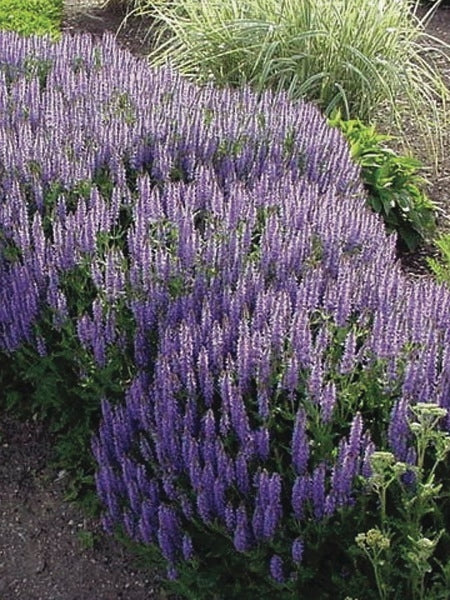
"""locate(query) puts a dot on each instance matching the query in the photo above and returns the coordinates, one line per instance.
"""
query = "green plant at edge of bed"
(29, 17)
(441, 266)
(394, 186)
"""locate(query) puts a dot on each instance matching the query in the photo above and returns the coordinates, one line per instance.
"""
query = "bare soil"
(49, 550)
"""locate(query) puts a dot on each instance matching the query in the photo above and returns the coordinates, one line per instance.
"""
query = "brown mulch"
(48, 549)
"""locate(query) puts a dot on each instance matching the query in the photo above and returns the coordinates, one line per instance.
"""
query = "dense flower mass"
(263, 294)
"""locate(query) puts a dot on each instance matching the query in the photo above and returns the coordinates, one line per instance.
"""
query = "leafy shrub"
(441, 266)
(210, 257)
(31, 16)
(358, 56)
(392, 182)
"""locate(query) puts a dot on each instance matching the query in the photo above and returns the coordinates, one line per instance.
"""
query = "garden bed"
(48, 549)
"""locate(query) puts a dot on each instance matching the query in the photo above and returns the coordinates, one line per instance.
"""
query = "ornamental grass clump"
(203, 265)
(369, 59)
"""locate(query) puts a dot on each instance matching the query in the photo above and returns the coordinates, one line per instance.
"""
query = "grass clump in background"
(31, 16)
(363, 57)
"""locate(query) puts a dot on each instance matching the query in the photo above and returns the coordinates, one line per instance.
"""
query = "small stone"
(40, 567)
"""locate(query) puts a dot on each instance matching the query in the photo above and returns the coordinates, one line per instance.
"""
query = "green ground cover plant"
(31, 16)
(362, 57)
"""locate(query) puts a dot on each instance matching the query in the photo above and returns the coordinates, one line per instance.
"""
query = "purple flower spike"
(242, 537)
(300, 494)
(300, 443)
(297, 550)
(399, 431)
(277, 568)
(188, 549)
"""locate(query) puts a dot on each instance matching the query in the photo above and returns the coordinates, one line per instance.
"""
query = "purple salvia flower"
(245, 356)
(327, 402)
(219, 497)
(276, 568)
(300, 443)
(297, 550)
(41, 346)
(172, 572)
(258, 521)
(186, 506)
(242, 477)
(242, 537)
(225, 464)
(354, 439)
(291, 375)
(147, 525)
(409, 478)
(230, 517)
(348, 359)
(315, 382)
(347, 464)
(191, 458)
(169, 537)
(366, 467)
(187, 548)
(318, 491)
(262, 443)
(300, 494)
(273, 510)
(239, 417)
(209, 442)
(398, 431)
(129, 520)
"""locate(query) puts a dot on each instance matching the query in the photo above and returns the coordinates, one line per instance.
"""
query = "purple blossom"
(188, 549)
(301, 491)
(276, 568)
(398, 431)
(169, 536)
(242, 535)
(409, 478)
(297, 550)
(300, 443)
(242, 477)
(348, 359)
(318, 491)
(327, 402)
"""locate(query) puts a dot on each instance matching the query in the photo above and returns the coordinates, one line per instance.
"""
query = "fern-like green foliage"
(394, 186)
(441, 267)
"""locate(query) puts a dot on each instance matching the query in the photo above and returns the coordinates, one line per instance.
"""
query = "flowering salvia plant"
(214, 247)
